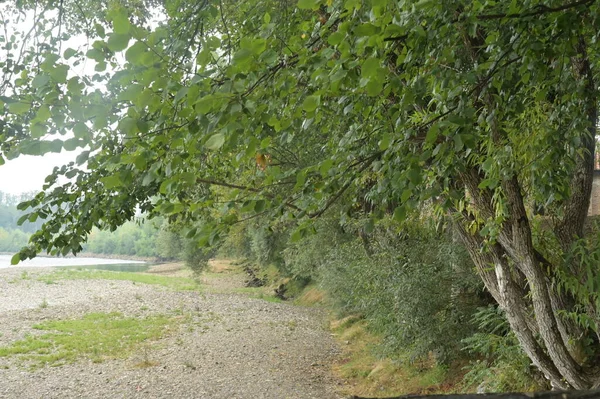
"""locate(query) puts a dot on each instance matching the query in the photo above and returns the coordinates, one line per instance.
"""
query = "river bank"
(214, 340)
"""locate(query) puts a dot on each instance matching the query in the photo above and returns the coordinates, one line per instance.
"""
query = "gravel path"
(227, 346)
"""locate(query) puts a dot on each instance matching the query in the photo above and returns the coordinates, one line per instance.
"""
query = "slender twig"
(226, 31)
(245, 188)
(60, 18)
(345, 187)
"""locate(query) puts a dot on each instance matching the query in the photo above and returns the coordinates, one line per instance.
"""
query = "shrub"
(416, 288)
(501, 366)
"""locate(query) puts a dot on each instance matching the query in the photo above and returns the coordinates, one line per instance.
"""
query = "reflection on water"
(96, 263)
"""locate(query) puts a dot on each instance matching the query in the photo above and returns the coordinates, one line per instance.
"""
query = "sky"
(27, 173)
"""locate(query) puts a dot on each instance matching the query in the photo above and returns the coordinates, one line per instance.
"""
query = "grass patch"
(173, 283)
(370, 376)
(310, 296)
(96, 336)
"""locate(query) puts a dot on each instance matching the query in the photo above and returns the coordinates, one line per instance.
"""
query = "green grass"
(369, 375)
(173, 283)
(96, 336)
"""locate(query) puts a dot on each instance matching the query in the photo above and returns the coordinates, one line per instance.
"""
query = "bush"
(413, 284)
(416, 289)
(502, 366)
(12, 240)
(197, 257)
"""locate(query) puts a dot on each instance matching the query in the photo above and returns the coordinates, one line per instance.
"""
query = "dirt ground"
(226, 345)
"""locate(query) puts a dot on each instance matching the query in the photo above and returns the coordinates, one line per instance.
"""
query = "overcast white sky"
(27, 173)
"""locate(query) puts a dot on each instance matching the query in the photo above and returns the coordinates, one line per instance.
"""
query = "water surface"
(76, 262)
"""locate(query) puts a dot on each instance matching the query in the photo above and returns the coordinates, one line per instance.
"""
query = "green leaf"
(366, 30)
(80, 130)
(16, 258)
(297, 235)
(117, 42)
(59, 73)
(204, 105)
(414, 175)
(400, 213)
(40, 80)
(325, 167)
(242, 56)
(385, 141)
(265, 143)
(215, 141)
(95, 55)
(82, 158)
(68, 53)
(46, 146)
(19, 108)
(143, 126)
(311, 103)
(259, 206)
(140, 162)
(22, 219)
(308, 4)
(374, 87)
(111, 182)
(370, 68)
(71, 144)
(335, 38)
(38, 130)
(135, 53)
(121, 24)
(100, 30)
(458, 142)
(432, 134)
(405, 195)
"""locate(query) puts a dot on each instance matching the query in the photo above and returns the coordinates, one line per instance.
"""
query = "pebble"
(232, 332)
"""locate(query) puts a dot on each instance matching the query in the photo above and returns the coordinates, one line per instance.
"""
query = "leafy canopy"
(228, 109)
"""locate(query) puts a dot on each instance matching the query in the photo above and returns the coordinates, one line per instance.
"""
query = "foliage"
(222, 111)
(414, 285)
(12, 240)
(139, 237)
(416, 290)
(197, 257)
(10, 215)
(502, 365)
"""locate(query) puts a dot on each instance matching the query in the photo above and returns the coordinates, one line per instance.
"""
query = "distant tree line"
(139, 238)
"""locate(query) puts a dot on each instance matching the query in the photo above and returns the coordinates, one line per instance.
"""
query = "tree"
(224, 110)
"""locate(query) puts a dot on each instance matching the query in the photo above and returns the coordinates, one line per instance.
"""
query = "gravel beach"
(227, 344)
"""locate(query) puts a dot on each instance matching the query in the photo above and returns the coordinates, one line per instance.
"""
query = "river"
(87, 262)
